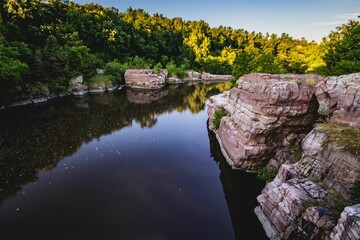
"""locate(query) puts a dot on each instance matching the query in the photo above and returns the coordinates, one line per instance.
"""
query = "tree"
(343, 56)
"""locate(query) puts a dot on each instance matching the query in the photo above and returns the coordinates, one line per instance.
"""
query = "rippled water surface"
(125, 165)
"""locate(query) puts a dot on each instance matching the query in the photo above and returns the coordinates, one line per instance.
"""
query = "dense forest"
(43, 44)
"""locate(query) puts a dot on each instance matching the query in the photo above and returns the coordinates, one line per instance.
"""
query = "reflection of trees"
(35, 138)
(241, 189)
(196, 100)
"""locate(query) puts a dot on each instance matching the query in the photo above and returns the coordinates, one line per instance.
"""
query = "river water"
(123, 165)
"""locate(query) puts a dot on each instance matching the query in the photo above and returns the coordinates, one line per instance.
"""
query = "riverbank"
(140, 79)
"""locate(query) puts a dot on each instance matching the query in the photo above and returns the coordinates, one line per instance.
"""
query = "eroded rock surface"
(330, 89)
(145, 78)
(208, 77)
(261, 112)
(325, 171)
(264, 120)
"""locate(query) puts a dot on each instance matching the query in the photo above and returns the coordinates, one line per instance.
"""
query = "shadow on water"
(241, 189)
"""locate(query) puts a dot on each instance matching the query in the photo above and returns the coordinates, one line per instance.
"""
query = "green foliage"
(214, 65)
(217, 117)
(243, 64)
(52, 41)
(175, 71)
(343, 55)
(12, 72)
(101, 80)
(265, 175)
(157, 68)
(116, 69)
(37, 89)
(139, 62)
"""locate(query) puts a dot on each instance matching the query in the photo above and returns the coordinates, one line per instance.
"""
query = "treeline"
(43, 44)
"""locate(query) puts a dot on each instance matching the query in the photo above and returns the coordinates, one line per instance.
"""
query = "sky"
(311, 19)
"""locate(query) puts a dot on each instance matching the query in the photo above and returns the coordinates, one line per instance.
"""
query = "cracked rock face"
(348, 226)
(145, 78)
(261, 112)
(340, 95)
(295, 201)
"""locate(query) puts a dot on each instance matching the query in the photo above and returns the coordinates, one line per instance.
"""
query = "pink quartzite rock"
(261, 112)
(348, 111)
(296, 201)
(145, 78)
(330, 89)
(208, 77)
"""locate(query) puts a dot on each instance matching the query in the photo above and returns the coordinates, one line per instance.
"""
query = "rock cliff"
(268, 116)
(145, 78)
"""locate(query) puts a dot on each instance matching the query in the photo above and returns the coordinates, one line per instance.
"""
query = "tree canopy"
(44, 43)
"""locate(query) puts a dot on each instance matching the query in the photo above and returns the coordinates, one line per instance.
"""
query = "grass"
(101, 81)
(217, 117)
(265, 175)
(344, 135)
(309, 81)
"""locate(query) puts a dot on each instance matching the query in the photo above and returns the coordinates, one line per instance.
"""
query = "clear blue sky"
(312, 19)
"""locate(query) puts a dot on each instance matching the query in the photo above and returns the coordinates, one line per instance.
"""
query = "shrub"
(217, 117)
(116, 69)
(265, 175)
(174, 71)
(157, 68)
(101, 80)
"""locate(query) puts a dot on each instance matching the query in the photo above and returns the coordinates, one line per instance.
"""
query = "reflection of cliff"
(35, 138)
(145, 96)
(239, 193)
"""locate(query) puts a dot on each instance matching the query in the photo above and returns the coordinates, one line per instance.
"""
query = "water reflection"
(143, 97)
(37, 138)
(117, 167)
(241, 189)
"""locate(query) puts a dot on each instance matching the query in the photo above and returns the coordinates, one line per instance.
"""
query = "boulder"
(76, 87)
(192, 75)
(215, 77)
(145, 78)
(330, 89)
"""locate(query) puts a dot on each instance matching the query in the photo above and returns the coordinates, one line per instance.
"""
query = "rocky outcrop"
(145, 78)
(325, 171)
(77, 86)
(211, 77)
(192, 75)
(262, 113)
(348, 225)
(264, 119)
(340, 96)
(330, 89)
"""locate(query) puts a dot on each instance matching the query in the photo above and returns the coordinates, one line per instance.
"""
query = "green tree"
(343, 56)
